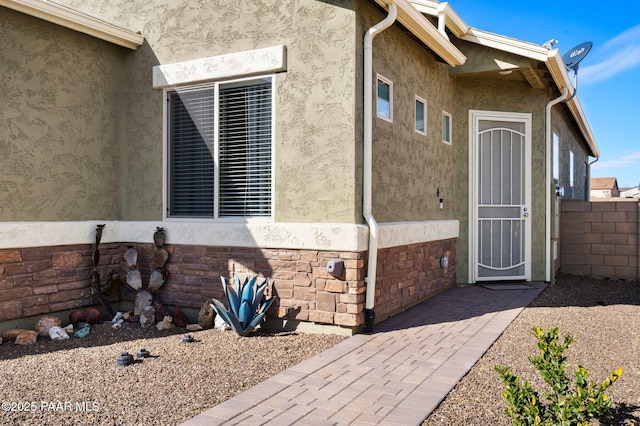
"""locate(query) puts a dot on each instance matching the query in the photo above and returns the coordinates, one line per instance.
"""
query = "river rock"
(206, 315)
(179, 318)
(148, 317)
(156, 279)
(58, 333)
(27, 337)
(143, 299)
(166, 323)
(134, 279)
(45, 323)
(11, 335)
(89, 315)
(194, 327)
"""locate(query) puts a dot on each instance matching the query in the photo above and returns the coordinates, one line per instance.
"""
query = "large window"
(220, 150)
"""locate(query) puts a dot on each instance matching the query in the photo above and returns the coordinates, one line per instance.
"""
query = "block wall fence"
(600, 238)
(38, 281)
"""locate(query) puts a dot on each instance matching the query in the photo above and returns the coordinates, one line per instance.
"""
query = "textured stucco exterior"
(61, 96)
(409, 168)
(507, 96)
(316, 123)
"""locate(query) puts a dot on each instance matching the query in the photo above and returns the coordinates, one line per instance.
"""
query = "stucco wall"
(316, 120)
(408, 168)
(60, 93)
(509, 96)
(570, 142)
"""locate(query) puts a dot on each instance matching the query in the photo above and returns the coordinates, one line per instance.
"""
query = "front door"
(500, 190)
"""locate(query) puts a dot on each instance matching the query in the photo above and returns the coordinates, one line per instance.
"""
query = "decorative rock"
(45, 323)
(160, 258)
(82, 332)
(57, 333)
(194, 327)
(156, 279)
(148, 317)
(117, 317)
(68, 329)
(166, 323)
(11, 335)
(134, 279)
(179, 318)
(161, 310)
(118, 324)
(143, 299)
(159, 237)
(27, 337)
(131, 257)
(206, 315)
(220, 324)
(89, 315)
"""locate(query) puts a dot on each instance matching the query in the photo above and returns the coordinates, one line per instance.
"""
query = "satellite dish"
(573, 57)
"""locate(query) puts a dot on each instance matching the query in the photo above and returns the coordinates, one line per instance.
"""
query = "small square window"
(421, 116)
(446, 127)
(385, 99)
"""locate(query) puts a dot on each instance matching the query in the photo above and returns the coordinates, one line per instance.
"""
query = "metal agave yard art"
(246, 309)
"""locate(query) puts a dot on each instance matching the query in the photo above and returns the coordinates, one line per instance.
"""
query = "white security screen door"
(500, 243)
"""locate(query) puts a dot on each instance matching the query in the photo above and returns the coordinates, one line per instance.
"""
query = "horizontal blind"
(245, 149)
(191, 152)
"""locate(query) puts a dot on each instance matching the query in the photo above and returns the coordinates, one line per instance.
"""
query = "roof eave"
(559, 73)
(420, 27)
(76, 21)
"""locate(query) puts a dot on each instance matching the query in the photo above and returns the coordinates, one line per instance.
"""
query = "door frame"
(475, 116)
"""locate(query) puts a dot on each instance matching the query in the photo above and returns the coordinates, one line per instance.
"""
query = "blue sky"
(608, 78)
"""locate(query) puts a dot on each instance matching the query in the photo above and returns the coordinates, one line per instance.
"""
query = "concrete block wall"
(600, 238)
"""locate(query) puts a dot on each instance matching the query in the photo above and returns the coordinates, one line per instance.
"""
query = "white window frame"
(447, 139)
(571, 173)
(381, 115)
(418, 100)
(166, 160)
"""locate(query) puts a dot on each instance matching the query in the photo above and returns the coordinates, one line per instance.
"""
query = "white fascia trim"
(424, 30)
(76, 21)
(507, 44)
(434, 8)
(301, 236)
(268, 60)
(560, 75)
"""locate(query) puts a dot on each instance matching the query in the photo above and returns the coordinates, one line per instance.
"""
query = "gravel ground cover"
(78, 381)
(605, 317)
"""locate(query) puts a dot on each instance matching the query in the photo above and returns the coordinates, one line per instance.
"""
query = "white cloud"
(618, 54)
(626, 160)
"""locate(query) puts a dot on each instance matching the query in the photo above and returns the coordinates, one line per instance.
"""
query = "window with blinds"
(219, 148)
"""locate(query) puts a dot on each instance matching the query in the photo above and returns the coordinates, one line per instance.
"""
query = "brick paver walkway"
(394, 376)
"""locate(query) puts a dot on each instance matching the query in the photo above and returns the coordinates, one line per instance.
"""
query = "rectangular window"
(446, 128)
(219, 150)
(421, 116)
(556, 158)
(385, 99)
(571, 172)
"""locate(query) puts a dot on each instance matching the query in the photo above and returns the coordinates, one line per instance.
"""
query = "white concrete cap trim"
(239, 64)
(76, 21)
(302, 236)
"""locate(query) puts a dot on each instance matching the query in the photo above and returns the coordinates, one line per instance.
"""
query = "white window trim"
(165, 156)
(381, 78)
(450, 141)
(424, 115)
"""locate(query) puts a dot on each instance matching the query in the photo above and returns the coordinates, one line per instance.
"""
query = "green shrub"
(563, 406)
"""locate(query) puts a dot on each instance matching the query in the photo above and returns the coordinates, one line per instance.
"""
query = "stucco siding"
(60, 94)
(408, 167)
(315, 110)
(508, 96)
